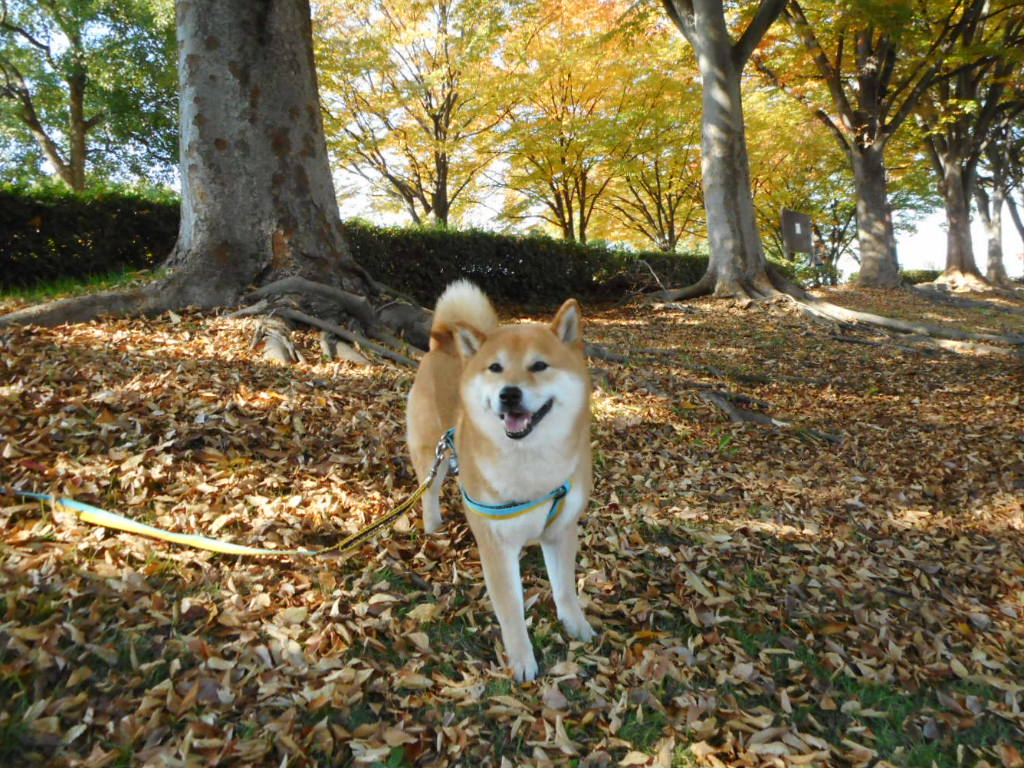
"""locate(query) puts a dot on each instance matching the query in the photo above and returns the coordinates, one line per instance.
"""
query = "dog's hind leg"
(560, 559)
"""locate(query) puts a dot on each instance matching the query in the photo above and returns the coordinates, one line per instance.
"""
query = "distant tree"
(960, 114)
(802, 168)
(570, 127)
(655, 197)
(997, 181)
(873, 62)
(1012, 151)
(656, 193)
(413, 91)
(737, 266)
(91, 84)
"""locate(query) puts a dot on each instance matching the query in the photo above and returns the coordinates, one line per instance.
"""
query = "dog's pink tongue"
(516, 422)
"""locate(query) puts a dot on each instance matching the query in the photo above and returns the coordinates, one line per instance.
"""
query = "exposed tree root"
(956, 280)
(774, 285)
(730, 403)
(724, 402)
(81, 309)
(917, 350)
(273, 334)
(732, 406)
(603, 353)
(353, 305)
(343, 333)
(332, 348)
(939, 293)
(824, 309)
(274, 303)
(959, 347)
(412, 319)
(702, 287)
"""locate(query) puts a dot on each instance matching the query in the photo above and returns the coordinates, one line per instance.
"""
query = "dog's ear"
(468, 340)
(566, 325)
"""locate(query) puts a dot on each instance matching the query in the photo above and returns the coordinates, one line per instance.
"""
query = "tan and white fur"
(519, 398)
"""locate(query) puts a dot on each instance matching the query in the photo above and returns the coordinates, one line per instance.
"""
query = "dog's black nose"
(510, 397)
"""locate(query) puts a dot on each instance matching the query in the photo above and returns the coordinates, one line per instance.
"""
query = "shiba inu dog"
(518, 397)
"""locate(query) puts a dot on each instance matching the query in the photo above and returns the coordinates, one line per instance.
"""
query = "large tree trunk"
(258, 204)
(737, 266)
(879, 267)
(961, 269)
(250, 110)
(737, 257)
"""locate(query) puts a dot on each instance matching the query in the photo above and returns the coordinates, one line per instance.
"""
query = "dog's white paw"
(431, 522)
(524, 668)
(579, 628)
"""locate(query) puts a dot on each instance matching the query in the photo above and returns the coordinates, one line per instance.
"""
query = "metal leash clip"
(446, 445)
(453, 458)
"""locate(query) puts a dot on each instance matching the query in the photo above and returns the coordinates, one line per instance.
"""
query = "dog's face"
(524, 380)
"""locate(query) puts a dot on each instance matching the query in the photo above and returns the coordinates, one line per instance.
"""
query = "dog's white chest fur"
(525, 474)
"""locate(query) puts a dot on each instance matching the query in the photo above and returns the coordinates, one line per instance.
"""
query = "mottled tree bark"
(258, 202)
(990, 209)
(959, 247)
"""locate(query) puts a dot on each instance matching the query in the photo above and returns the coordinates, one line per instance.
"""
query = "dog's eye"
(495, 368)
(539, 366)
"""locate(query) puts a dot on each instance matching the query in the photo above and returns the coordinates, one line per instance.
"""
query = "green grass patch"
(67, 286)
(643, 734)
(14, 738)
(897, 718)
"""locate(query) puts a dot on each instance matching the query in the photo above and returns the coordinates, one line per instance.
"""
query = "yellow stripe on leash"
(87, 513)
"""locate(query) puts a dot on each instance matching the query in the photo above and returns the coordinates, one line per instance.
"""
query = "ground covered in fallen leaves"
(847, 589)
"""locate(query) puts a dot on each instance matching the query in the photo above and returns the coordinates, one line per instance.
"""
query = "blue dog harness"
(514, 509)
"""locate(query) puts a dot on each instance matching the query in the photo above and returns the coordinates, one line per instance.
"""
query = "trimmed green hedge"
(50, 234)
(531, 270)
(912, 276)
(916, 276)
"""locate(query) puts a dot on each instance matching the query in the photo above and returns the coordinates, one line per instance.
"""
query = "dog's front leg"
(560, 558)
(432, 501)
(505, 587)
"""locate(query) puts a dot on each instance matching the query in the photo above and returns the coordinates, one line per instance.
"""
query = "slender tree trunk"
(249, 110)
(879, 267)
(961, 268)
(51, 151)
(990, 208)
(78, 130)
(441, 203)
(737, 257)
(1015, 217)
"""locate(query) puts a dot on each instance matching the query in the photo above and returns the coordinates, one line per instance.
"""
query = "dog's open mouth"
(518, 424)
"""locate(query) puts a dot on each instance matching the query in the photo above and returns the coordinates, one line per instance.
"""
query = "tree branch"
(768, 11)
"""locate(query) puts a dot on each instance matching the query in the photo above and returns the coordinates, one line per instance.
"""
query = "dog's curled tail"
(462, 303)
